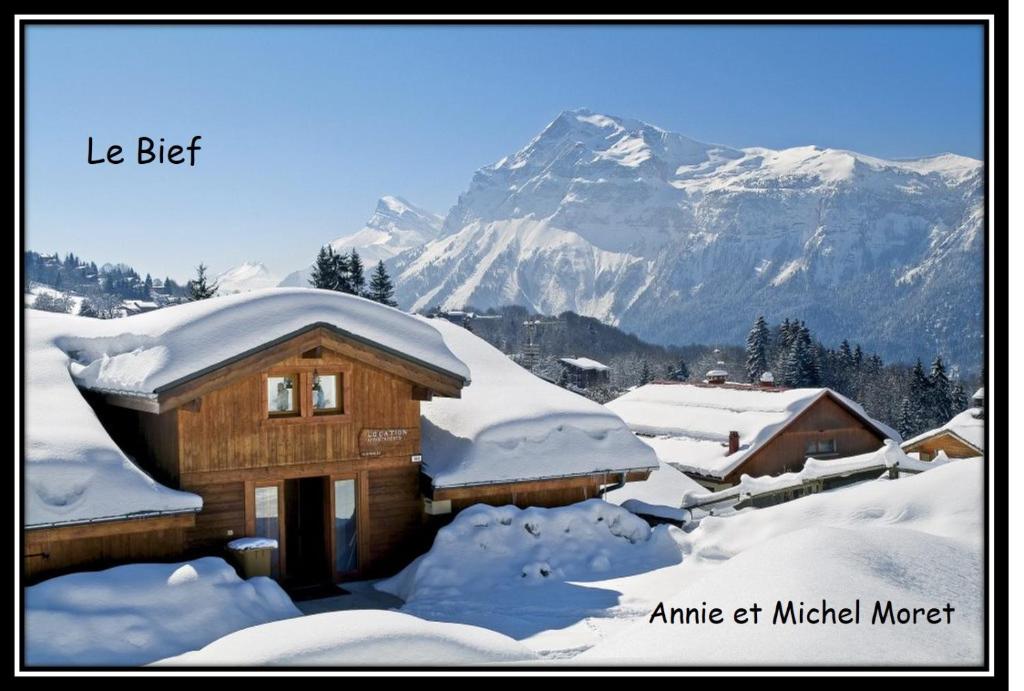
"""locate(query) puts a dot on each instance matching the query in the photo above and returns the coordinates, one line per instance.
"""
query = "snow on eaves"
(688, 425)
(147, 353)
(510, 425)
(584, 363)
(969, 426)
(74, 472)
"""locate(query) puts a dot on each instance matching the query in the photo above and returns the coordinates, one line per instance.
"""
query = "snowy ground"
(916, 541)
(139, 613)
(575, 585)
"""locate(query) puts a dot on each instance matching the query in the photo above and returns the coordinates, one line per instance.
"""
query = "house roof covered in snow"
(149, 354)
(688, 425)
(968, 427)
(76, 473)
(73, 470)
(513, 426)
(584, 363)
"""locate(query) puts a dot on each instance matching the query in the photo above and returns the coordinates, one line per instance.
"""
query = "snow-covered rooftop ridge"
(511, 425)
(147, 353)
(968, 425)
(691, 423)
(584, 363)
(74, 472)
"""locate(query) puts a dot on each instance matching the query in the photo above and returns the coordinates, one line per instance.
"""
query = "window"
(326, 391)
(268, 523)
(346, 544)
(821, 447)
(282, 400)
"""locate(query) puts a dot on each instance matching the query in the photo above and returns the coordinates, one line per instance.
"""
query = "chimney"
(734, 442)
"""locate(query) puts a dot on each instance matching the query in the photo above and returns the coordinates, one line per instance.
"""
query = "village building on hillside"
(961, 437)
(312, 419)
(716, 433)
(584, 373)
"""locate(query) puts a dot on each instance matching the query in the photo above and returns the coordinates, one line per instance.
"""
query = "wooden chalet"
(716, 433)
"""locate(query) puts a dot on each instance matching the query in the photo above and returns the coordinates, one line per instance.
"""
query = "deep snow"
(358, 638)
(512, 425)
(916, 540)
(139, 613)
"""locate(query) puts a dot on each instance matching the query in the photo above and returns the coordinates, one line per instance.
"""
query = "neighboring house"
(716, 433)
(961, 437)
(291, 414)
(583, 372)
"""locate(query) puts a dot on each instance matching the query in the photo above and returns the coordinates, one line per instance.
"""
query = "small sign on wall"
(416, 458)
(379, 442)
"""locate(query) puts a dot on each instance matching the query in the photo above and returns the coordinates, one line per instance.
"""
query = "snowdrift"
(511, 425)
(916, 541)
(488, 549)
(357, 638)
(139, 613)
(73, 469)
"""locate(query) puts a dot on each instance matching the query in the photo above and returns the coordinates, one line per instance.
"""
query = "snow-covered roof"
(979, 394)
(969, 426)
(74, 472)
(717, 373)
(584, 363)
(689, 424)
(147, 353)
(510, 425)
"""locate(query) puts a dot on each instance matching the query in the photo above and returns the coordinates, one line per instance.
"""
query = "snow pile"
(968, 425)
(511, 425)
(139, 613)
(688, 425)
(493, 552)
(916, 542)
(73, 469)
(357, 638)
(146, 353)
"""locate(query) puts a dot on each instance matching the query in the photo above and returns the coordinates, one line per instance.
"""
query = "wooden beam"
(331, 467)
(146, 405)
(79, 531)
(421, 393)
(193, 406)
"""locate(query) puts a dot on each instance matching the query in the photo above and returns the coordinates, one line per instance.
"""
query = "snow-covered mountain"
(682, 242)
(245, 277)
(395, 226)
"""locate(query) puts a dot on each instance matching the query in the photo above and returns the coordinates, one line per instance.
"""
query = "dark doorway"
(306, 557)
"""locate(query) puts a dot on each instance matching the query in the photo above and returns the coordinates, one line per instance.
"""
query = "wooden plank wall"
(89, 553)
(231, 429)
(953, 447)
(826, 419)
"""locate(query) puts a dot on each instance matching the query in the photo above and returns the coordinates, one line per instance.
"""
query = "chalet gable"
(428, 379)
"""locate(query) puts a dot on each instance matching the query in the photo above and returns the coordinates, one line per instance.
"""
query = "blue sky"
(304, 128)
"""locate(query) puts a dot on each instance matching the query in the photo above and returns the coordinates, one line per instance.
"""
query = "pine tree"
(199, 288)
(906, 422)
(381, 288)
(757, 349)
(958, 398)
(355, 273)
(681, 372)
(148, 286)
(858, 357)
(940, 407)
(323, 275)
(342, 279)
(792, 370)
(645, 373)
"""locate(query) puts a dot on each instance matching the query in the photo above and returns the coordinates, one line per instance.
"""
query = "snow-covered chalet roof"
(511, 425)
(147, 353)
(688, 425)
(584, 363)
(76, 473)
(968, 426)
(73, 470)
